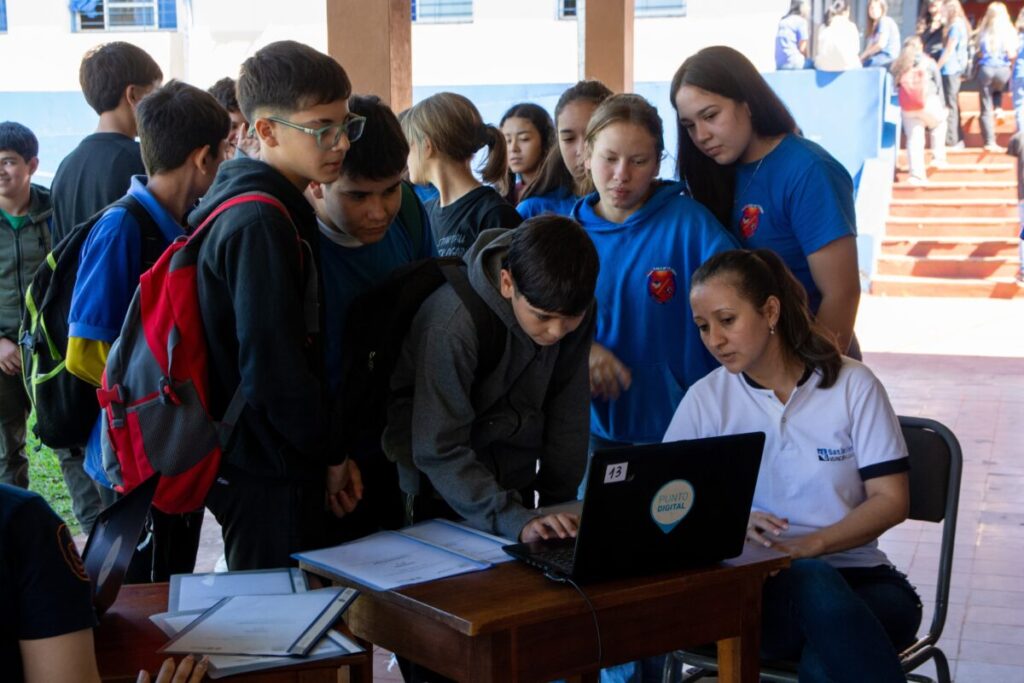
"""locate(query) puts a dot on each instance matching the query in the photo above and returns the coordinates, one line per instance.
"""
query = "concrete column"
(372, 40)
(608, 42)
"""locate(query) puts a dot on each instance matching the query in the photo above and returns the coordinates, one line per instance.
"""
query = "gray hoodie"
(480, 444)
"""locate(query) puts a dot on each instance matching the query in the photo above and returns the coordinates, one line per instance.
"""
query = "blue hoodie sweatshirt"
(643, 308)
(558, 202)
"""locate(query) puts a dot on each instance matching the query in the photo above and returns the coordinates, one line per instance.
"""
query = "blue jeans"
(841, 624)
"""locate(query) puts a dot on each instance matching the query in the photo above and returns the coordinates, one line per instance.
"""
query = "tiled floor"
(960, 362)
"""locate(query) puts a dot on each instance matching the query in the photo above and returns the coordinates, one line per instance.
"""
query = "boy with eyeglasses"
(282, 469)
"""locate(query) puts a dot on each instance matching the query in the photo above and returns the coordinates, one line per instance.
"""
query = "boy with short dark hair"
(371, 222)
(114, 79)
(258, 299)
(183, 132)
(470, 445)
(241, 142)
(24, 242)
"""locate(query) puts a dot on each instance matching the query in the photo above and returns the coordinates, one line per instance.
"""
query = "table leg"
(739, 659)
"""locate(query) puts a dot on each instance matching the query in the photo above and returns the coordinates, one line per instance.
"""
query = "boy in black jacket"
(259, 295)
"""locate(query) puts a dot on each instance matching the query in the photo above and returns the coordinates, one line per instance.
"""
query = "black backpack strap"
(490, 330)
(411, 216)
(153, 241)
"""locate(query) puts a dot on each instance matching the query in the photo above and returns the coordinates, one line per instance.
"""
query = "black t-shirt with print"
(457, 225)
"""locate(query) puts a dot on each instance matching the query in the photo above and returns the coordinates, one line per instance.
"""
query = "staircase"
(956, 236)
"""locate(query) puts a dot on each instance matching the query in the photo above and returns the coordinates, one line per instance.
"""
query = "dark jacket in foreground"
(253, 298)
(480, 445)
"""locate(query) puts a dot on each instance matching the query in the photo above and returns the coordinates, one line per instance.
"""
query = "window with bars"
(3, 16)
(441, 11)
(644, 8)
(125, 15)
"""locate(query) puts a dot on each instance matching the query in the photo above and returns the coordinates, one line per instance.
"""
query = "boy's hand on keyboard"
(557, 525)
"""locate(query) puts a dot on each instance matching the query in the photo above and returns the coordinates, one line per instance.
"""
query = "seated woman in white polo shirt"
(833, 476)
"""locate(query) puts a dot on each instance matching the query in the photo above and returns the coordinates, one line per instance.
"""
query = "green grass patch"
(45, 478)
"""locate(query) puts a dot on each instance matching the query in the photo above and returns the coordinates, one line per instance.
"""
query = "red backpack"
(155, 390)
(913, 89)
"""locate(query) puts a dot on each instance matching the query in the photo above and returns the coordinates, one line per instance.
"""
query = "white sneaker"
(994, 148)
(917, 180)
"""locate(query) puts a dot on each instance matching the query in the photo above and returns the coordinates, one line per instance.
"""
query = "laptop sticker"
(616, 472)
(671, 503)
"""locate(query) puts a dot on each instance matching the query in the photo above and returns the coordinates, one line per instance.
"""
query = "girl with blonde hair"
(952, 64)
(445, 131)
(997, 44)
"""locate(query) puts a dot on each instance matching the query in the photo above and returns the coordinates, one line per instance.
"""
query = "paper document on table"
(332, 645)
(389, 559)
(459, 538)
(281, 625)
(202, 591)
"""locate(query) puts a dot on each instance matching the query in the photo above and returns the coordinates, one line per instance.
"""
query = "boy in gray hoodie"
(479, 447)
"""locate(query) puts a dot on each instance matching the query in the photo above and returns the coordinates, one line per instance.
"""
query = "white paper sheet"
(201, 591)
(388, 559)
(280, 625)
(462, 539)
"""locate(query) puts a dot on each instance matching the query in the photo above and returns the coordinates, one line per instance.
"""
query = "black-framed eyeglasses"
(329, 136)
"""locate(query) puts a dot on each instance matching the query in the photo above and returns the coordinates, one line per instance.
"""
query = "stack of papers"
(423, 552)
(249, 621)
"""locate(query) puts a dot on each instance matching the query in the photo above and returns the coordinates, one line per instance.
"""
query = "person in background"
(240, 142)
(930, 28)
(883, 36)
(444, 132)
(743, 159)
(1016, 149)
(562, 174)
(792, 40)
(952, 64)
(838, 40)
(833, 476)
(913, 68)
(1017, 80)
(114, 79)
(529, 136)
(997, 48)
(25, 212)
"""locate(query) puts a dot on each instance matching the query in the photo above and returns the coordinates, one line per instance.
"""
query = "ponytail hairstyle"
(837, 7)
(760, 273)
(456, 130)
(724, 71)
(625, 108)
(553, 174)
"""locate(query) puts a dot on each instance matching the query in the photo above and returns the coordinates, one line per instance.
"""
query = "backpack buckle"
(167, 395)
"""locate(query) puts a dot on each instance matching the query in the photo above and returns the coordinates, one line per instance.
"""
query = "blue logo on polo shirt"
(835, 454)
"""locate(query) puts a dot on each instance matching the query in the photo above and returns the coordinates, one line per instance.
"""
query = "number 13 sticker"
(615, 473)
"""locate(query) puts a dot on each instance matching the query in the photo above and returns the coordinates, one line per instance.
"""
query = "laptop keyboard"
(560, 557)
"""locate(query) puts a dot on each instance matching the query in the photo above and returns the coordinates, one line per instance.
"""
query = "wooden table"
(509, 623)
(127, 641)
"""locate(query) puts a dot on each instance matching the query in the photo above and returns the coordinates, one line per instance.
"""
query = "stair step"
(919, 227)
(971, 122)
(965, 155)
(968, 99)
(954, 208)
(956, 189)
(967, 172)
(895, 245)
(953, 267)
(902, 285)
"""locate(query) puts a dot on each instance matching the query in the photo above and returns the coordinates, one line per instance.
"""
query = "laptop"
(111, 544)
(657, 508)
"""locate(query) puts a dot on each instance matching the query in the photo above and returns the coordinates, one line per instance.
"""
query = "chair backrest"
(936, 463)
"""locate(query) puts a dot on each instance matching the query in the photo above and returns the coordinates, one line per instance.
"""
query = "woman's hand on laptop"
(557, 525)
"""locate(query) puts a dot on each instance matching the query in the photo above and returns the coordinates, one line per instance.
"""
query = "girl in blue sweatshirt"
(561, 178)
(650, 238)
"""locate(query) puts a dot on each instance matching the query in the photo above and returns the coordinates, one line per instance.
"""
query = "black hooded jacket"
(251, 276)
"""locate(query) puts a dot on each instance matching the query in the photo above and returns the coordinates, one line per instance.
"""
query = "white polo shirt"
(819, 449)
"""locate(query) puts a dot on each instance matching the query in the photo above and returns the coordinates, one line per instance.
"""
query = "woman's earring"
(771, 329)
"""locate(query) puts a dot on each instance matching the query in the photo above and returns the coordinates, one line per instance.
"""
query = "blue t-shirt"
(956, 61)
(887, 35)
(558, 202)
(643, 307)
(349, 272)
(792, 31)
(110, 265)
(794, 201)
(1018, 64)
(991, 53)
(44, 589)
